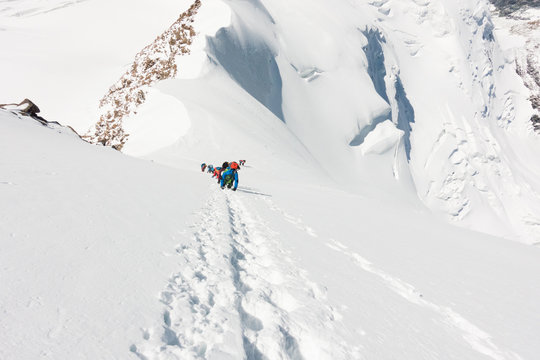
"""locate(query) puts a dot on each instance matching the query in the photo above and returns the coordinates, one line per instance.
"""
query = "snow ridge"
(154, 63)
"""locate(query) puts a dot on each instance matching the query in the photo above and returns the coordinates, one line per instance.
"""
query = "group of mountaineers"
(226, 174)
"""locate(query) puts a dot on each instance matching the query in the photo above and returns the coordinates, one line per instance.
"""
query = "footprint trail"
(239, 295)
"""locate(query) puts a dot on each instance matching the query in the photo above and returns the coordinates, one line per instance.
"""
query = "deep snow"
(439, 71)
(105, 256)
(336, 245)
(418, 97)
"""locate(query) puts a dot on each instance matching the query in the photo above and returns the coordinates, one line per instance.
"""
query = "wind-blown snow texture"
(353, 117)
(104, 256)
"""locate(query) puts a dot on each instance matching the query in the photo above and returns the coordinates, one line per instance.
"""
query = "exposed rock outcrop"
(154, 63)
(526, 24)
(528, 65)
(28, 108)
(508, 6)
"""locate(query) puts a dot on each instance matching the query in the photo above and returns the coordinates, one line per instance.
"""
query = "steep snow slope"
(519, 33)
(87, 238)
(375, 91)
(345, 115)
(416, 96)
(105, 256)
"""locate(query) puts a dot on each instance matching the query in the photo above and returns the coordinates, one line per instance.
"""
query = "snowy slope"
(352, 117)
(519, 35)
(418, 96)
(87, 238)
(455, 116)
(105, 256)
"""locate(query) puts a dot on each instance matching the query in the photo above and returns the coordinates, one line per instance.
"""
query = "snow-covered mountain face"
(399, 97)
(520, 22)
(348, 113)
(415, 95)
(106, 256)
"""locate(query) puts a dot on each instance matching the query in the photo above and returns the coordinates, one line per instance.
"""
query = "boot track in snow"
(240, 295)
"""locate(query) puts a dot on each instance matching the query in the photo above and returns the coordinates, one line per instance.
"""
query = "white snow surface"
(434, 71)
(106, 256)
(437, 70)
(367, 127)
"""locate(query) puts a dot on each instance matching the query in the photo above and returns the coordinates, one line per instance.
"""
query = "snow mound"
(384, 137)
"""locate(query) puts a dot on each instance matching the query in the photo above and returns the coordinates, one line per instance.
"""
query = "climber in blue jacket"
(230, 175)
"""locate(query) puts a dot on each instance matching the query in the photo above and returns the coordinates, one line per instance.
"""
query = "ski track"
(478, 339)
(239, 295)
(296, 221)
